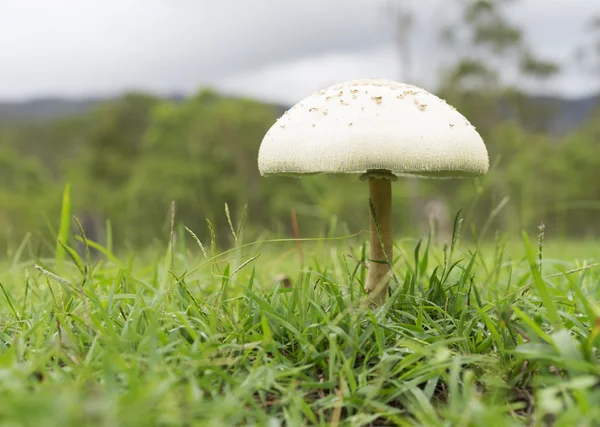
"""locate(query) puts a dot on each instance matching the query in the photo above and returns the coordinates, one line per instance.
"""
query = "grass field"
(470, 336)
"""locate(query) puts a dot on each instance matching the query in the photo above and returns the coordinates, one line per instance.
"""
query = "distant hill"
(569, 112)
(45, 108)
(53, 108)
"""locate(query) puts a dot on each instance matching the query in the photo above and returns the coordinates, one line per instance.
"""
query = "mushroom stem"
(380, 194)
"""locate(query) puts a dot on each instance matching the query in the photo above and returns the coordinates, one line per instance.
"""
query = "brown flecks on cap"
(451, 125)
(343, 102)
(406, 93)
(350, 124)
(377, 99)
(325, 112)
(313, 109)
(421, 106)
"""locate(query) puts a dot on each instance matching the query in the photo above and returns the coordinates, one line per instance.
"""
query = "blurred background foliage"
(127, 159)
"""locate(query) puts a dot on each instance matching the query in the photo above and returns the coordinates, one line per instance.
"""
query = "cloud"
(86, 45)
(289, 81)
(275, 49)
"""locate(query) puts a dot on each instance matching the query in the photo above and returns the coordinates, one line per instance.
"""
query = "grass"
(470, 336)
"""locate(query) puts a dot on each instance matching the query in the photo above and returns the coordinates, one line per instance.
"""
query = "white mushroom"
(407, 131)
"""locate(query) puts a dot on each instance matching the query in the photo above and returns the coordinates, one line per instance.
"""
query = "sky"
(275, 50)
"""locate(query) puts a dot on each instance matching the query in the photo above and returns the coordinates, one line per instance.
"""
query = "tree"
(588, 54)
(493, 62)
(24, 191)
(201, 154)
(108, 149)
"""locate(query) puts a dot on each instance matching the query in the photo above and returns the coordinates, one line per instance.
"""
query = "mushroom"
(397, 130)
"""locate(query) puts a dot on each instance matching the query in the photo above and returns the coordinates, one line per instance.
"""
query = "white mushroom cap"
(373, 124)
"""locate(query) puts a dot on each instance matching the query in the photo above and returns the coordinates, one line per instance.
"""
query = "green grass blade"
(540, 285)
(64, 228)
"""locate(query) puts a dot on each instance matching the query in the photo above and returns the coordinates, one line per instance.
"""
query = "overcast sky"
(278, 50)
